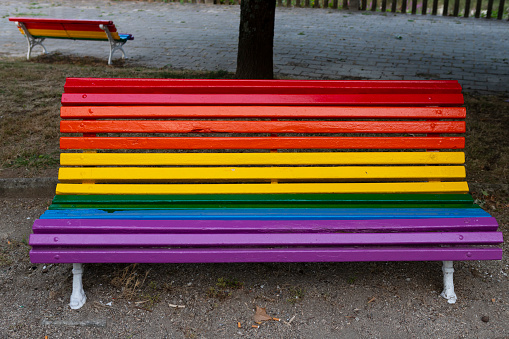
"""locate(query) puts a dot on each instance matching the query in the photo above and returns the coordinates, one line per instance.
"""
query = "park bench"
(209, 171)
(36, 30)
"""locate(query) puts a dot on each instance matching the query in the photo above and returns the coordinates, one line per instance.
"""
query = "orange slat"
(157, 112)
(157, 126)
(263, 143)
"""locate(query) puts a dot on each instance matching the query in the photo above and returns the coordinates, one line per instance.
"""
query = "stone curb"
(27, 187)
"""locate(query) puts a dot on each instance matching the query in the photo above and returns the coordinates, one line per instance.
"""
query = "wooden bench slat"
(45, 33)
(290, 112)
(111, 207)
(91, 35)
(72, 26)
(410, 187)
(115, 226)
(264, 239)
(130, 202)
(65, 34)
(193, 126)
(212, 174)
(117, 85)
(90, 99)
(262, 143)
(225, 159)
(67, 21)
(80, 27)
(54, 26)
(379, 199)
(271, 214)
(315, 254)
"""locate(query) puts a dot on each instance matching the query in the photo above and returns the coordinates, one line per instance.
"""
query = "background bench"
(185, 171)
(36, 30)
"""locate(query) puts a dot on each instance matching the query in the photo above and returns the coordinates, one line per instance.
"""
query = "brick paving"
(308, 43)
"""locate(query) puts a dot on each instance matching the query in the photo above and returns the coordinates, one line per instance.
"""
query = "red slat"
(99, 85)
(88, 27)
(264, 99)
(49, 26)
(263, 143)
(68, 27)
(60, 21)
(157, 126)
(297, 112)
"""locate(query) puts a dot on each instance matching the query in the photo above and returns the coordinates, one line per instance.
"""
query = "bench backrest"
(151, 136)
(67, 29)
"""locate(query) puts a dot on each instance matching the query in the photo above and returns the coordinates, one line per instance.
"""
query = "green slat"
(182, 205)
(379, 198)
(260, 200)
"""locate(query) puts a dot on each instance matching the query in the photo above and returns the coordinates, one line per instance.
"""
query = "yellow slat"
(91, 35)
(424, 187)
(132, 174)
(48, 33)
(72, 34)
(312, 158)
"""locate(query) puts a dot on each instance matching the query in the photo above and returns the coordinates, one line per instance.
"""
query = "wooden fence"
(489, 9)
(465, 8)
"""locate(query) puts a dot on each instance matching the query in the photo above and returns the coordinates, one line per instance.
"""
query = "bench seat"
(36, 30)
(208, 171)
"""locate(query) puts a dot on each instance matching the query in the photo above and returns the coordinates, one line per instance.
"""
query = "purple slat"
(262, 255)
(98, 226)
(265, 239)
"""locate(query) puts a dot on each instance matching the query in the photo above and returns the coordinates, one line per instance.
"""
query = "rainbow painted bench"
(208, 171)
(36, 30)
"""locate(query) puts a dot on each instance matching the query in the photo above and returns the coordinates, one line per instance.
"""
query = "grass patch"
(30, 105)
(30, 14)
(5, 260)
(27, 160)
(224, 288)
(296, 294)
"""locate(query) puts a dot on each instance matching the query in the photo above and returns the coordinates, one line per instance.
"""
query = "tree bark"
(256, 39)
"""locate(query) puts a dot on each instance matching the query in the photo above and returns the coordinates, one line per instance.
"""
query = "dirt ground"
(332, 300)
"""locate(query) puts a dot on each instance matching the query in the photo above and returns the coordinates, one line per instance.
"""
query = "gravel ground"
(348, 300)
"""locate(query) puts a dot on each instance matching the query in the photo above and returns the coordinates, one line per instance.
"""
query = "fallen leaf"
(261, 315)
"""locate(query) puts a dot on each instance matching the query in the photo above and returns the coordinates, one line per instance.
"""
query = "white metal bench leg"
(114, 45)
(448, 292)
(78, 297)
(32, 42)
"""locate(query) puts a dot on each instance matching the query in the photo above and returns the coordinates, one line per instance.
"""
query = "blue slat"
(270, 214)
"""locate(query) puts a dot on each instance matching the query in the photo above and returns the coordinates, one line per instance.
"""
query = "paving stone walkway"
(308, 43)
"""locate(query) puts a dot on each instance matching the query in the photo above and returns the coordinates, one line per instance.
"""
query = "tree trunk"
(256, 39)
